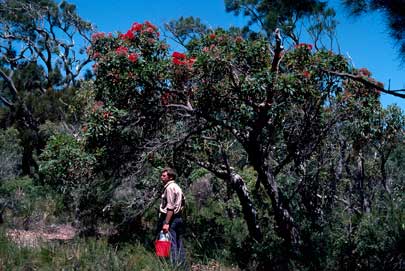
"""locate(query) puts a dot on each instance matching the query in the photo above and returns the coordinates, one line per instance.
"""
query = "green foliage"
(217, 229)
(186, 29)
(24, 203)
(10, 154)
(270, 15)
(85, 254)
(65, 165)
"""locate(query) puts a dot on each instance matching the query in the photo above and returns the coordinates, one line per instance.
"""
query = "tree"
(38, 55)
(285, 15)
(304, 120)
(282, 112)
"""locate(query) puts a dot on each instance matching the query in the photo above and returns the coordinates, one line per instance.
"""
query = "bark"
(248, 209)
(286, 228)
(360, 179)
(238, 185)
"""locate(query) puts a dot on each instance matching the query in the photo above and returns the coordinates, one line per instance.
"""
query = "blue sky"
(364, 39)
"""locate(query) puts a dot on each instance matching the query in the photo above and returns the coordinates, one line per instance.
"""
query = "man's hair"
(170, 172)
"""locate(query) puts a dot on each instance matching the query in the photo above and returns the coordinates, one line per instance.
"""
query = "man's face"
(164, 177)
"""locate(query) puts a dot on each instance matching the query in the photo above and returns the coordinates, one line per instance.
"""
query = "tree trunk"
(285, 222)
(360, 178)
(28, 128)
(249, 211)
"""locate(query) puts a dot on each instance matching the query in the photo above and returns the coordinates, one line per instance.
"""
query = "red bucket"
(162, 248)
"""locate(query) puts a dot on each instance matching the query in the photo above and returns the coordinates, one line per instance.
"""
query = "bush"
(10, 154)
(65, 166)
(69, 170)
(24, 203)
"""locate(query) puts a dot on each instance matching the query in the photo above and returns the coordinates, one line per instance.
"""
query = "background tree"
(38, 55)
(393, 11)
(285, 15)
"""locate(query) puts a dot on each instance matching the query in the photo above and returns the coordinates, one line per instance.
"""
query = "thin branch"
(9, 82)
(366, 82)
(6, 101)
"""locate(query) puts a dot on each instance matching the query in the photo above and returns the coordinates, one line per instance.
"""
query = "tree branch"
(366, 82)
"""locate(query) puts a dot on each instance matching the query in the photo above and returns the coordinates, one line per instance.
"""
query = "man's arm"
(166, 226)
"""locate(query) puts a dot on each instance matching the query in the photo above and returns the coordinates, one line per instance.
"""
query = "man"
(171, 206)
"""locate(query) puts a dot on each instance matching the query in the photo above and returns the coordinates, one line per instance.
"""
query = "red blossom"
(97, 36)
(165, 98)
(128, 36)
(178, 55)
(136, 27)
(150, 30)
(377, 83)
(212, 36)
(106, 115)
(149, 24)
(96, 55)
(97, 105)
(121, 50)
(304, 45)
(177, 61)
(133, 57)
(191, 61)
(306, 74)
(364, 72)
(181, 59)
(238, 39)
(164, 47)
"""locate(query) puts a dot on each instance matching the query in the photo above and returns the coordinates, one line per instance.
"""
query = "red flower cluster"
(121, 50)
(165, 98)
(136, 27)
(96, 55)
(97, 36)
(364, 72)
(207, 49)
(306, 74)
(304, 45)
(133, 57)
(238, 39)
(212, 36)
(377, 83)
(140, 28)
(128, 36)
(181, 59)
(150, 25)
(97, 105)
(107, 114)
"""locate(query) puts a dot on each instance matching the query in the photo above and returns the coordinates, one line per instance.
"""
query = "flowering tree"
(280, 108)
(228, 98)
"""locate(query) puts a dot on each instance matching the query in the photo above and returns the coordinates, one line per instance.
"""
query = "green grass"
(79, 254)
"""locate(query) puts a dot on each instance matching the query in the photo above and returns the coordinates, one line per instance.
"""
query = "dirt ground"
(32, 238)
